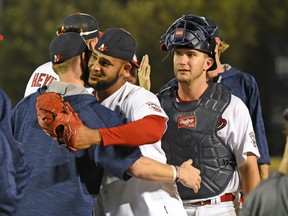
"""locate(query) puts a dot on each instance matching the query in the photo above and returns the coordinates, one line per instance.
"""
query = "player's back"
(59, 178)
(42, 76)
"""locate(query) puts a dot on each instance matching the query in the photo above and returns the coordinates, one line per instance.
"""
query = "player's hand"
(144, 73)
(87, 137)
(190, 176)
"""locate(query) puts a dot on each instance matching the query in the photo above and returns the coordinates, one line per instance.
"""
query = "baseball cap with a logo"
(66, 46)
(117, 43)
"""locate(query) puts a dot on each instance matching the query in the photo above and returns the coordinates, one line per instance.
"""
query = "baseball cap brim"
(135, 63)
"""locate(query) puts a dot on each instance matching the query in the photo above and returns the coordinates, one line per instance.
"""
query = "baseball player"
(140, 75)
(242, 85)
(270, 197)
(146, 124)
(283, 167)
(63, 182)
(84, 24)
(206, 123)
(61, 178)
(14, 170)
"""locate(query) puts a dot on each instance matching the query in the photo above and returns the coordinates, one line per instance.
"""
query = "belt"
(224, 198)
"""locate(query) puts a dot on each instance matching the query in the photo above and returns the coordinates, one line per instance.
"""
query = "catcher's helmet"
(84, 24)
(192, 32)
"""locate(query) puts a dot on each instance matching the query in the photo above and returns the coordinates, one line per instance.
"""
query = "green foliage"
(29, 26)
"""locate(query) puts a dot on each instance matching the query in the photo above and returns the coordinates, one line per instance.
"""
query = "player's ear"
(217, 41)
(127, 67)
(209, 63)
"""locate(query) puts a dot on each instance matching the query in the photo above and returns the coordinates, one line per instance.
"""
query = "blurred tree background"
(255, 29)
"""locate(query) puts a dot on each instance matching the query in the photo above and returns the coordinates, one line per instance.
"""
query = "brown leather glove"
(58, 119)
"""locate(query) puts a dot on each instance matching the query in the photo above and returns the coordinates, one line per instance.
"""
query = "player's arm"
(151, 170)
(149, 129)
(263, 171)
(283, 167)
(250, 177)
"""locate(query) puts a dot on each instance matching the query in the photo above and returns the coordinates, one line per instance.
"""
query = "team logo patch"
(103, 48)
(221, 124)
(179, 33)
(57, 58)
(252, 138)
(187, 121)
(154, 106)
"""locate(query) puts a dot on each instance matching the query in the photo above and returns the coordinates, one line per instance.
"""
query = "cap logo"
(179, 33)
(103, 48)
(57, 58)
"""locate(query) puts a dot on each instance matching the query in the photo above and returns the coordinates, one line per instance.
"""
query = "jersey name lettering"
(42, 79)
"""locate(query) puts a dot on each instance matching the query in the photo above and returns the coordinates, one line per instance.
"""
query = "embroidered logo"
(252, 138)
(57, 58)
(103, 48)
(187, 121)
(154, 106)
(221, 124)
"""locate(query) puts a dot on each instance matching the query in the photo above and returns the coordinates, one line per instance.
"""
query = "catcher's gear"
(58, 119)
(192, 32)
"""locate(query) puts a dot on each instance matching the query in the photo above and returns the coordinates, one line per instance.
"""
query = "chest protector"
(192, 134)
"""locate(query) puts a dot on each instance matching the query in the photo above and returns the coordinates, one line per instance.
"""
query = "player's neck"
(70, 77)
(191, 92)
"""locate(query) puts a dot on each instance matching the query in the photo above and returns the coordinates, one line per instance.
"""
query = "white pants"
(220, 209)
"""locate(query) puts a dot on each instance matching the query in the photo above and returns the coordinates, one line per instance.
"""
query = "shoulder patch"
(154, 106)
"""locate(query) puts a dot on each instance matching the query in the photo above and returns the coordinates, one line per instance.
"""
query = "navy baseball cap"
(81, 23)
(66, 46)
(117, 43)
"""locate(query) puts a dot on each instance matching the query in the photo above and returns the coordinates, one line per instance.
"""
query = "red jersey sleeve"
(147, 130)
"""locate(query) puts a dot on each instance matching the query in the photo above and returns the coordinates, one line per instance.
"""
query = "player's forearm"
(249, 172)
(151, 170)
(283, 167)
(263, 171)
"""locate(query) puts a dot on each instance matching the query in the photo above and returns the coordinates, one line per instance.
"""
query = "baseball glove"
(58, 119)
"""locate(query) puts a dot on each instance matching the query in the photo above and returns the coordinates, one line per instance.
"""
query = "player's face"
(189, 65)
(131, 76)
(105, 71)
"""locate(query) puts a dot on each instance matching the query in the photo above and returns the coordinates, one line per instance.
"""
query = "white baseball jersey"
(42, 76)
(137, 197)
(238, 134)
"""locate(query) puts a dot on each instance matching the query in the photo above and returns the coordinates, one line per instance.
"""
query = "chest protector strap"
(192, 134)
